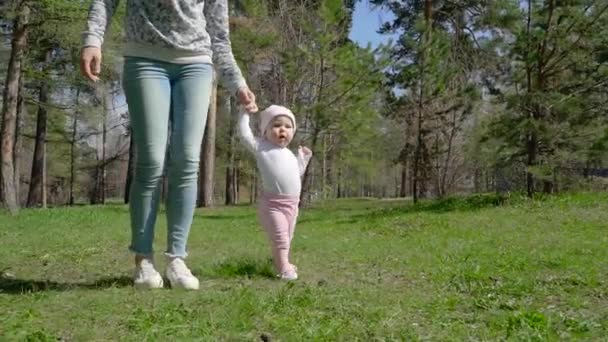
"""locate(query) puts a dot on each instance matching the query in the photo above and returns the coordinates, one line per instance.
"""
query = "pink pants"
(278, 214)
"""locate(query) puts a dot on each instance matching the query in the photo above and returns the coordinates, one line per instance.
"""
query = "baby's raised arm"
(245, 132)
(304, 154)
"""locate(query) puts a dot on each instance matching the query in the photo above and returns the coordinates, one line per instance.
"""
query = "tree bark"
(446, 165)
(21, 114)
(324, 168)
(237, 181)
(230, 189)
(73, 147)
(339, 190)
(254, 182)
(403, 188)
(10, 107)
(37, 193)
(306, 178)
(428, 9)
(228, 192)
(104, 142)
(97, 194)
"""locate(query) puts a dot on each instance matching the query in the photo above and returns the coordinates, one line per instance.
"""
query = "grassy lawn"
(370, 270)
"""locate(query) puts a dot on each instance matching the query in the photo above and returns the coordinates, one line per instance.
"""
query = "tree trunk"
(237, 181)
(419, 141)
(425, 172)
(361, 186)
(403, 188)
(324, 168)
(254, 182)
(228, 192)
(428, 7)
(448, 158)
(476, 180)
(531, 162)
(21, 114)
(306, 178)
(536, 113)
(104, 142)
(73, 147)
(541, 81)
(37, 193)
(94, 191)
(230, 189)
(98, 193)
(207, 163)
(332, 171)
(10, 107)
(339, 190)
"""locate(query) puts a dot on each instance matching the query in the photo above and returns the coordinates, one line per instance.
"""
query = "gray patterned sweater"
(174, 31)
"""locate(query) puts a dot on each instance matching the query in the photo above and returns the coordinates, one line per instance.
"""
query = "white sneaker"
(289, 275)
(179, 275)
(146, 277)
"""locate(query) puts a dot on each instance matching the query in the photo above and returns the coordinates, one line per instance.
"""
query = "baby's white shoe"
(289, 275)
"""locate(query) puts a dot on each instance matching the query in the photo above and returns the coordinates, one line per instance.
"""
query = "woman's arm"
(100, 17)
(216, 15)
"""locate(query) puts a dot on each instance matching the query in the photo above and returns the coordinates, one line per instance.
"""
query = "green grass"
(479, 268)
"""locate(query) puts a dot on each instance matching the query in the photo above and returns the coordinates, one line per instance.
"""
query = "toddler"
(281, 171)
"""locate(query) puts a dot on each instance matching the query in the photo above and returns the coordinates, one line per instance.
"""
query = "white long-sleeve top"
(281, 169)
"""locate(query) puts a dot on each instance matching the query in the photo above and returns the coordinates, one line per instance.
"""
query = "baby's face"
(280, 131)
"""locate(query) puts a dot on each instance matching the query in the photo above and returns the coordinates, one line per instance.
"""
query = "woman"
(172, 47)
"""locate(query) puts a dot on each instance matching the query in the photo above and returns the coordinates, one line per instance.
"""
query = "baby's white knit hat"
(273, 111)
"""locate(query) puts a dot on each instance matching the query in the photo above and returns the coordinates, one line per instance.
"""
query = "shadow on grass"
(22, 286)
(240, 268)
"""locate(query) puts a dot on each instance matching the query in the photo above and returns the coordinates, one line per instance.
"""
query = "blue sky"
(366, 22)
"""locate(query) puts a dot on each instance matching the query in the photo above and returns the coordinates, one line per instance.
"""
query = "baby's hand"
(305, 151)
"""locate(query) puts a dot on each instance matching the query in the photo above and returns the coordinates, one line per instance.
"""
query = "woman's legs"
(159, 93)
(148, 92)
(191, 92)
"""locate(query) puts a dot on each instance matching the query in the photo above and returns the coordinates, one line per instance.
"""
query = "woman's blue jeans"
(166, 102)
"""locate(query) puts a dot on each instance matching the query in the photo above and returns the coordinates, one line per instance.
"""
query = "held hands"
(247, 99)
(90, 62)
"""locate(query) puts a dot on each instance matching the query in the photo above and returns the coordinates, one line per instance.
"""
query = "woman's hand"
(247, 99)
(90, 62)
